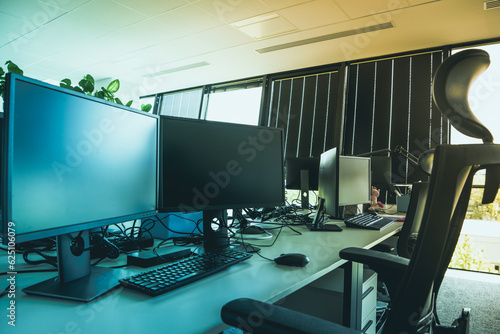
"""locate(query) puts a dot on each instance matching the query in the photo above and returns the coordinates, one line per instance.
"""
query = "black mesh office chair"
(413, 283)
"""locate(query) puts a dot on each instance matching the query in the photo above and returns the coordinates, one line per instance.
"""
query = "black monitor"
(382, 177)
(302, 174)
(343, 181)
(70, 163)
(214, 166)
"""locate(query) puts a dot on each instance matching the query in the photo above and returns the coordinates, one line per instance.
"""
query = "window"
(186, 103)
(479, 246)
(235, 102)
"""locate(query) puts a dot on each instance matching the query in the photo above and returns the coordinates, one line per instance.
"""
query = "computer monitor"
(302, 174)
(343, 181)
(72, 162)
(213, 166)
(354, 180)
(381, 167)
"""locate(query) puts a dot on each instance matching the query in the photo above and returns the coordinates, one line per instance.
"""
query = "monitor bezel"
(167, 209)
(6, 165)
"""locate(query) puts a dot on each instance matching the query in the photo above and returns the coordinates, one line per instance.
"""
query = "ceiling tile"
(20, 58)
(268, 28)
(67, 5)
(224, 37)
(175, 20)
(9, 26)
(314, 14)
(31, 15)
(136, 36)
(420, 2)
(99, 11)
(360, 8)
(51, 39)
(280, 4)
(152, 7)
(231, 11)
(34, 12)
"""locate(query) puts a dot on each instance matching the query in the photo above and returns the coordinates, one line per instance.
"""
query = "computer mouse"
(253, 230)
(292, 259)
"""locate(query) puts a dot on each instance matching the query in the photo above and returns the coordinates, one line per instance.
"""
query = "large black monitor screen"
(71, 163)
(74, 161)
(212, 165)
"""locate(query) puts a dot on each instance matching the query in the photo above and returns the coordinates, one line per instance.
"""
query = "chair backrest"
(409, 232)
(449, 190)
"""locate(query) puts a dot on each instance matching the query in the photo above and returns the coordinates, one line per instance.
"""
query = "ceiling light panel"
(361, 8)
(314, 14)
(177, 69)
(269, 28)
(328, 37)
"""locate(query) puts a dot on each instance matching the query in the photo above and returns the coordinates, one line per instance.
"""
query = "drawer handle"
(367, 326)
(367, 292)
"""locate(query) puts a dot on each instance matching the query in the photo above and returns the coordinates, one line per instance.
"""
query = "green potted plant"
(11, 67)
(85, 85)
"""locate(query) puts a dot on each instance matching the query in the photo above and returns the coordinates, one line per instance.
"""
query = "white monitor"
(354, 180)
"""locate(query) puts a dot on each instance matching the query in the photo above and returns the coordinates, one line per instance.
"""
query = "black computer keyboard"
(182, 272)
(366, 220)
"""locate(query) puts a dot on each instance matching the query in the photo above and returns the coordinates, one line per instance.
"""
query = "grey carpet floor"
(480, 292)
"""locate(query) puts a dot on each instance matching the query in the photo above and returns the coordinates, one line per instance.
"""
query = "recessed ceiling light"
(328, 37)
(177, 69)
(255, 19)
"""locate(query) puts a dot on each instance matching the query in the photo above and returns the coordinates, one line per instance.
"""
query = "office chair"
(413, 283)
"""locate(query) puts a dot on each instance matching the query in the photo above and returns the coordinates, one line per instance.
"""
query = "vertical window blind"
(389, 104)
(305, 107)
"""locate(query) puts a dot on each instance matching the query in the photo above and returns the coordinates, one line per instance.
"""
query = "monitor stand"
(318, 223)
(304, 189)
(77, 280)
(215, 230)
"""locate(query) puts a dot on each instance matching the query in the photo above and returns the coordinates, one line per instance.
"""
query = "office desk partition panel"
(196, 307)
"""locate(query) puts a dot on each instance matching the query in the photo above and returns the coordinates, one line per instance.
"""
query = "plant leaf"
(2, 72)
(146, 107)
(87, 86)
(77, 89)
(11, 67)
(107, 94)
(117, 100)
(90, 78)
(99, 94)
(66, 83)
(129, 103)
(114, 86)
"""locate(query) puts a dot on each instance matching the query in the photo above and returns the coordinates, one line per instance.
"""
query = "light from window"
(235, 106)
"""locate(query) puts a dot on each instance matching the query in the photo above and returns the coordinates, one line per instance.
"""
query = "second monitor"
(213, 166)
(343, 181)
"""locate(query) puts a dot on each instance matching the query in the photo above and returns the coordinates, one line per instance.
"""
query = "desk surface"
(194, 308)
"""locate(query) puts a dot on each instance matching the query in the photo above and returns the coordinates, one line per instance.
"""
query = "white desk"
(194, 308)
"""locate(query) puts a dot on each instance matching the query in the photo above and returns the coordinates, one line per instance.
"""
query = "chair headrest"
(450, 88)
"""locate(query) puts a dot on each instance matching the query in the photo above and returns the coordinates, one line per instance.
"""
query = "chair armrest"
(389, 267)
(257, 317)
